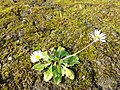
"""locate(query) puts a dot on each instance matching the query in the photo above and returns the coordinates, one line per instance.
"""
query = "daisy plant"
(57, 62)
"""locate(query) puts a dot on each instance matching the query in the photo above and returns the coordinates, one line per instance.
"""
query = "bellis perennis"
(36, 56)
(98, 36)
(57, 62)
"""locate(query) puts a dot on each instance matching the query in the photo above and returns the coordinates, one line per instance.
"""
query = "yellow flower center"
(37, 57)
(97, 37)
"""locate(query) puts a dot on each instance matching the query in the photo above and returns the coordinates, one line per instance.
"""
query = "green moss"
(40, 24)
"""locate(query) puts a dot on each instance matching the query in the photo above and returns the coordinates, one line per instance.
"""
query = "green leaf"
(55, 59)
(56, 70)
(69, 73)
(61, 52)
(48, 74)
(57, 79)
(71, 61)
(57, 74)
(45, 56)
(63, 71)
(40, 66)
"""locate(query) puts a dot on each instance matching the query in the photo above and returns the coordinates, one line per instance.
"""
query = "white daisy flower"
(98, 36)
(36, 56)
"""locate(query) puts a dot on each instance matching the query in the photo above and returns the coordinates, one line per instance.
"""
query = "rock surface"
(29, 25)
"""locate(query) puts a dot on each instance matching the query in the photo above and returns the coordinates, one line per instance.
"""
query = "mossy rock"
(29, 25)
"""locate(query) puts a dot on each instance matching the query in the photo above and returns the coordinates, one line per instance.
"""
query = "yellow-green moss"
(28, 25)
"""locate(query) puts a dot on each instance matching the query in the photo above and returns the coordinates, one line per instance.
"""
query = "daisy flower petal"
(92, 35)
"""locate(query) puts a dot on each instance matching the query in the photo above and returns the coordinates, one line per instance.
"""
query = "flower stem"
(79, 51)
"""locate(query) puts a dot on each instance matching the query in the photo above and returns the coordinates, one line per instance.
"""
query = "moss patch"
(29, 25)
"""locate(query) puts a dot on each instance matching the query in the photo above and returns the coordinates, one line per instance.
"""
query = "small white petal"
(97, 32)
(102, 40)
(92, 35)
(103, 35)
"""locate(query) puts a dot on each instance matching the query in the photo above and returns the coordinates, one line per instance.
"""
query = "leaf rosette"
(56, 67)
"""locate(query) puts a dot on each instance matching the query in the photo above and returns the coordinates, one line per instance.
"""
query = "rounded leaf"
(48, 74)
(69, 73)
(40, 66)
